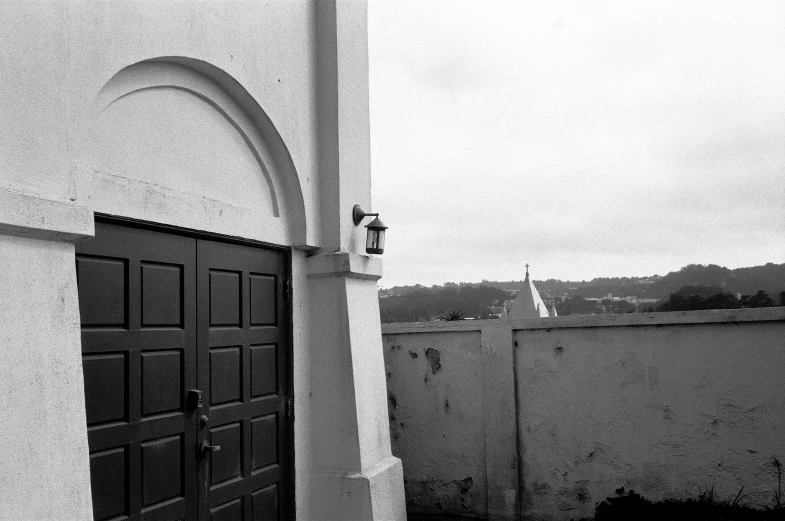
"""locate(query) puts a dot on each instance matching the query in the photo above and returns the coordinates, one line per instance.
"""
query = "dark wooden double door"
(184, 345)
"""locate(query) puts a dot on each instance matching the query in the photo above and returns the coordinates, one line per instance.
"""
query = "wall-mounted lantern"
(376, 230)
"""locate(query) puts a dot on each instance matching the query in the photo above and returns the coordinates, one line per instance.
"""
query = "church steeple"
(528, 303)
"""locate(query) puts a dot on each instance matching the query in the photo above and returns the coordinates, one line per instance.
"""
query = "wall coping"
(712, 316)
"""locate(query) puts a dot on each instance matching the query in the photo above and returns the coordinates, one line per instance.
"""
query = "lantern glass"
(375, 242)
(375, 238)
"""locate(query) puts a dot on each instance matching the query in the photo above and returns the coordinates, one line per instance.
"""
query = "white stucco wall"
(44, 472)
(663, 403)
(58, 56)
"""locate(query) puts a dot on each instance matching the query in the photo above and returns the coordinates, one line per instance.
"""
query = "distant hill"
(480, 300)
(746, 281)
(421, 304)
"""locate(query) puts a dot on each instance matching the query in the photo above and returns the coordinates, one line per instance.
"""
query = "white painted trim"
(34, 217)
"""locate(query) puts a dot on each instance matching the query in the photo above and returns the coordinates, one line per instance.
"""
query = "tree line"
(426, 304)
(693, 287)
(746, 281)
(690, 298)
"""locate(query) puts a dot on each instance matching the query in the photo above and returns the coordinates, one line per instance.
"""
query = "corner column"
(44, 458)
(354, 474)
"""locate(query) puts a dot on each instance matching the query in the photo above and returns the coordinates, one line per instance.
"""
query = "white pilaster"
(44, 460)
(354, 475)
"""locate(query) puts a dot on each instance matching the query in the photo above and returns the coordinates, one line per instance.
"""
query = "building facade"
(171, 171)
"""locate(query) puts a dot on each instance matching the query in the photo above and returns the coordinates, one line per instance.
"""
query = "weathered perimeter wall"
(692, 401)
(667, 404)
(451, 402)
(434, 393)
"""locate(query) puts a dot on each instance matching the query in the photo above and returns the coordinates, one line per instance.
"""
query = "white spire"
(528, 303)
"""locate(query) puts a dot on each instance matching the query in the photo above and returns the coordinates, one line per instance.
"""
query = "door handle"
(206, 447)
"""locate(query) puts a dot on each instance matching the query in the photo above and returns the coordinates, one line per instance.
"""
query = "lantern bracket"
(375, 239)
(358, 214)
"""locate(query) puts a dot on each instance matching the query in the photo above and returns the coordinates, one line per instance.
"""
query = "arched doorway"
(185, 315)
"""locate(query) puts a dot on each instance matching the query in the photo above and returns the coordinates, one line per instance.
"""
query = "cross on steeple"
(527, 268)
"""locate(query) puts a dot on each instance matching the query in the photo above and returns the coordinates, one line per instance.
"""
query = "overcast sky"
(588, 138)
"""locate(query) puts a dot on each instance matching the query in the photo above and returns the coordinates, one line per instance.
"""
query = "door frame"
(288, 306)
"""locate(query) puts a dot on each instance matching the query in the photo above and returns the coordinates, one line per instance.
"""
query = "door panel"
(242, 353)
(137, 296)
(163, 314)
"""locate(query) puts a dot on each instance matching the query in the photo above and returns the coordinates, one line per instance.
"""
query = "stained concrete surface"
(664, 403)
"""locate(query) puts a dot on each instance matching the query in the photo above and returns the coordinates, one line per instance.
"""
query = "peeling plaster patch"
(579, 492)
(703, 389)
(465, 485)
(558, 351)
(734, 416)
(664, 411)
(456, 496)
(654, 477)
(540, 488)
(634, 373)
(395, 431)
(434, 358)
(675, 444)
(739, 416)
(604, 454)
(412, 354)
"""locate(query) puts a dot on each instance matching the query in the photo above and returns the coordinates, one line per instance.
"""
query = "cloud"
(452, 73)
(591, 136)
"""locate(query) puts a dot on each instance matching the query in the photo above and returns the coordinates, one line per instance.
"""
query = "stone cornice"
(34, 217)
(344, 264)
